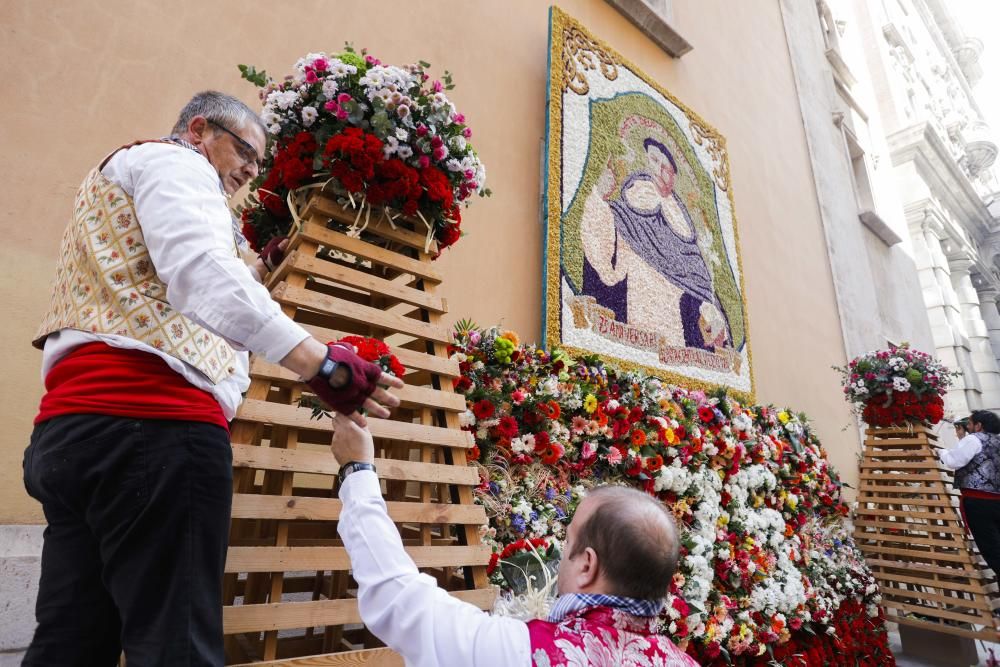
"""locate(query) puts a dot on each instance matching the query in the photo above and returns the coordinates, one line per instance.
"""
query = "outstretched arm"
(401, 606)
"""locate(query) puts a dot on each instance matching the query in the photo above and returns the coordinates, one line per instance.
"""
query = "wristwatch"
(327, 370)
(353, 466)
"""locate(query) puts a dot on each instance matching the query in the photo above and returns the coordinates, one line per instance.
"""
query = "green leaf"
(250, 73)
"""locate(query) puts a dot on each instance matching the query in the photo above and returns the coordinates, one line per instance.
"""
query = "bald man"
(620, 555)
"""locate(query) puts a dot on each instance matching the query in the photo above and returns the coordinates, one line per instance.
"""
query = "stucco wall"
(83, 77)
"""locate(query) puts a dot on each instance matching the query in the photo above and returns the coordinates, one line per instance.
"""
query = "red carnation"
(483, 409)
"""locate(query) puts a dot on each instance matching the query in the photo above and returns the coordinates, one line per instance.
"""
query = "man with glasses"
(145, 363)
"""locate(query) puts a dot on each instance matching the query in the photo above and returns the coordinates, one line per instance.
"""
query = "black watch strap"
(327, 369)
(354, 466)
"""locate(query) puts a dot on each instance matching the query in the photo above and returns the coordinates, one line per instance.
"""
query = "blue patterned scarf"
(571, 602)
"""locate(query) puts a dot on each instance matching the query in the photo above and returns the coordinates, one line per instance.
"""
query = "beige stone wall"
(82, 77)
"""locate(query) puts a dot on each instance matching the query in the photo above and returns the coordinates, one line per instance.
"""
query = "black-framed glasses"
(245, 150)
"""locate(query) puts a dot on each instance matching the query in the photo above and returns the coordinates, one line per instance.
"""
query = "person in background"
(619, 558)
(144, 360)
(961, 428)
(976, 462)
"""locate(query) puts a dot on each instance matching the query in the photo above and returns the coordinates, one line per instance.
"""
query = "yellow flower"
(670, 436)
(783, 417)
(590, 403)
(512, 337)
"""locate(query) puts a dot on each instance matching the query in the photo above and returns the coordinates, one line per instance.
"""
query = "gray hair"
(223, 109)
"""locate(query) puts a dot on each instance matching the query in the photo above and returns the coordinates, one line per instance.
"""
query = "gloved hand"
(274, 252)
(362, 380)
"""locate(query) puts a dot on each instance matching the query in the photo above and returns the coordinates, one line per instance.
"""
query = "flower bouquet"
(369, 349)
(896, 386)
(768, 571)
(383, 139)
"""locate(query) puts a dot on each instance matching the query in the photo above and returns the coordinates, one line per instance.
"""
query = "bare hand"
(351, 443)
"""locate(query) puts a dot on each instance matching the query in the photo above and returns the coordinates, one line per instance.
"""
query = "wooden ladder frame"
(288, 592)
(910, 529)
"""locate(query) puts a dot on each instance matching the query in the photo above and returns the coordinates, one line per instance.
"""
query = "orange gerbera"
(550, 409)
(638, 438)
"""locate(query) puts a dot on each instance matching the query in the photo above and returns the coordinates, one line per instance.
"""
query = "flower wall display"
(896, 386)
(386, 139)
(642, 264)
(768, 570)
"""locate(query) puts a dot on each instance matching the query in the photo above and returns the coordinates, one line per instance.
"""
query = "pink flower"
(311, 76)
(436, 142)
(467, 132)
(320, 64)
(424, 161)
(458, 118)
(579, 424)
(613, 456)
(331, 106)
(421, 130)
(588, 450)
(518, 396)
(439, 153)
(475, 337)
(342, 114)
(372, 60)
(344, 97)
(436, 86)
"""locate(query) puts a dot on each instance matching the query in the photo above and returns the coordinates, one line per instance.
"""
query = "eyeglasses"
(245, 150)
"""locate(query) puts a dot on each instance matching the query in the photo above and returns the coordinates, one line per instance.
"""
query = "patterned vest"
(106, 283)
(982, 473)
(602, 636)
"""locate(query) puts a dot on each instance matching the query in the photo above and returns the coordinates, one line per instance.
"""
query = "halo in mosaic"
(642, 263)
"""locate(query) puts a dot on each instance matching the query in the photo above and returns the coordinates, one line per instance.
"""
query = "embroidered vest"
(603, 636)
(982, 473)
(106, 283)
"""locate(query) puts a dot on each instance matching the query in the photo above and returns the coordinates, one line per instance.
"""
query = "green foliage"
(250, 73)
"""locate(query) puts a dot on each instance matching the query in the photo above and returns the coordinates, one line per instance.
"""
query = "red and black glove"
(272, 255)
(362, 379)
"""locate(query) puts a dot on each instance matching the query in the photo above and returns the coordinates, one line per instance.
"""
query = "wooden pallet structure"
(288, 592)
(910, 529)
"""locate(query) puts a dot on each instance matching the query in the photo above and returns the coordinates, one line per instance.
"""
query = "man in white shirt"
(620, 555)
(145, 361)
(976, 461)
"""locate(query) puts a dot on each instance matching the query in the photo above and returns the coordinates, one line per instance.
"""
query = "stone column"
(945, 315)
(991, 315)
(983, 360)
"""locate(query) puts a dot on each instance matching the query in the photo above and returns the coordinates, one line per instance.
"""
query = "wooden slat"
(372, 657)
(296, 296)
(329, 208)
(296, 417)
(920, 540)
(282, 559)
(969, 572)
(913, 553)
(365, 281)
(907, 527)
(255, 506)
(904, 594)
(323, 463)
(951, 517)
(931, 476)
(933, 611)
(939, 584)
(870, 464)
(288, 615)
(409, 395)
(317, 233)
(989, 634)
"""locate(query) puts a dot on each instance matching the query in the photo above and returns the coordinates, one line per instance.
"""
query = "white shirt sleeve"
(961, 453)
(187, 227)
(405, 608)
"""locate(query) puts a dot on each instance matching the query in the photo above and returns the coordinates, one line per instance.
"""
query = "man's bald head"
(635, 539)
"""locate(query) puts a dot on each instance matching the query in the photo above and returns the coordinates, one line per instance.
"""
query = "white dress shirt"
(405, 608)
(963, 452)
(188, 230)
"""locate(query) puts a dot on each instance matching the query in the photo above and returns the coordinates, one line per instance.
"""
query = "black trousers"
(983, 519)
(138, 522)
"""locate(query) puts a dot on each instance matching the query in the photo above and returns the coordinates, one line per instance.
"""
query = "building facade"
(916, 158)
